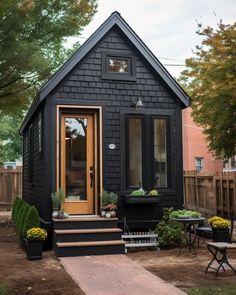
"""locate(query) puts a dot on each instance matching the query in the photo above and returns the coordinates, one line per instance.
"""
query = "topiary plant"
(19, 217)
(13, 212)
(17, 210)
(31, 220)
(26, 207)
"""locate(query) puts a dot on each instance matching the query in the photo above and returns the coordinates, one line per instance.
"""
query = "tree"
(210, 78)
(10, 140)
(32, 35)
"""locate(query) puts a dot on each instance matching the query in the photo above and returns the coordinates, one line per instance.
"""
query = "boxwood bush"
(31, 220)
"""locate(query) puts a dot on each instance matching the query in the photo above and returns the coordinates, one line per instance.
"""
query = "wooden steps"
(83, 244)
(78, 236)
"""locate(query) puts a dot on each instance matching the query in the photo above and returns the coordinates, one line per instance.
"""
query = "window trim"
(148, 150)
(167, 120)
(142, 118)
(40, 134)
(130, 76)
(31, 156)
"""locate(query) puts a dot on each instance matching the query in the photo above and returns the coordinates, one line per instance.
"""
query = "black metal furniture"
(190, 231)
(219, 251)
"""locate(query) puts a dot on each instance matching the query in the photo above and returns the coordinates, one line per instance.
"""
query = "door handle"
(91, 175)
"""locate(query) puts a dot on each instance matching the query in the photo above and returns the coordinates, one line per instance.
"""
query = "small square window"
(118, 66)
(199, 164)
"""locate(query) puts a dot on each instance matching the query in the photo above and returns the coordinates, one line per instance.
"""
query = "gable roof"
(114, 19)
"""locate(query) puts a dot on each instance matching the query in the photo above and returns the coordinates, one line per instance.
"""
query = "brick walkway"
(115, 275)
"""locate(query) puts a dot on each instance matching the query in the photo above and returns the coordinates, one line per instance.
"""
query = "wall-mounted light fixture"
(138, 104)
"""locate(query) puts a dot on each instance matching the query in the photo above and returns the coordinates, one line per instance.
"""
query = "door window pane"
(160, 152)
(135, 152)
(75, 156)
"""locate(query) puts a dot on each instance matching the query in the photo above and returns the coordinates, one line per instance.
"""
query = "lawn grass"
(226, 289)
(4, 290)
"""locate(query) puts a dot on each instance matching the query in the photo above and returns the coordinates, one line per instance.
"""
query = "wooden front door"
(77, 162)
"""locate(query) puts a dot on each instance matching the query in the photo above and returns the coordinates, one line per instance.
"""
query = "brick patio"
(115, 275)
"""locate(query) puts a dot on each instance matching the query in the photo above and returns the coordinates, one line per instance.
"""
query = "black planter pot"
(221, 235)
(33, 249)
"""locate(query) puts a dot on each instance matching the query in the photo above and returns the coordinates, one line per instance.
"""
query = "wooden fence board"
(211, 193)
(10, 187)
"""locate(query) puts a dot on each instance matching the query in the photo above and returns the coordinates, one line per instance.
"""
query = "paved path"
(115, 275)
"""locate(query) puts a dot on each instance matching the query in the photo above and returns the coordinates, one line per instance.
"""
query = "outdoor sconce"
(138, 104)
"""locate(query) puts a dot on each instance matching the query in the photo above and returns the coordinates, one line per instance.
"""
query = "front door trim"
(98, 159)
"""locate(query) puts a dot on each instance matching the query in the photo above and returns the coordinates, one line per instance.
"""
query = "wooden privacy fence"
(10, 187)
(211, 193)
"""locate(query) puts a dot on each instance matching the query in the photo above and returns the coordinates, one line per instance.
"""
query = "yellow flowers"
(218, 222)
(36, 233)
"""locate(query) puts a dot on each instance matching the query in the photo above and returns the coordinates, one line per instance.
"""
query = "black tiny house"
(109, 118)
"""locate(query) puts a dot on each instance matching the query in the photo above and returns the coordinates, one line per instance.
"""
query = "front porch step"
(89, 248)
(82, 235)
(85, 223)
(78, 236)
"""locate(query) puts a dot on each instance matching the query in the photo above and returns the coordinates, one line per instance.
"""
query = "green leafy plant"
(170, 232)
(108, 198)
(25, 208)
(14, 208)
(184, 212)
(4, 289)
(31, 220)
(17, 210)
(140, 192)
(36, 233)
(57, 199)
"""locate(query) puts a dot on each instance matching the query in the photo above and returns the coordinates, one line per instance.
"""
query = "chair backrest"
(231, 227)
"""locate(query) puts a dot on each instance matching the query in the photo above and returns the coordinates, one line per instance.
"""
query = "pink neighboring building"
(196, 155)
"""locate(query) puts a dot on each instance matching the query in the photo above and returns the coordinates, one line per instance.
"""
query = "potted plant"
(109, 201)
(34, 242)
(57, 200)
(220, 229)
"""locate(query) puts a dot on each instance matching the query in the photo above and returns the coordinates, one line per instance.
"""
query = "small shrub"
(26, 207)
(108, 198)
(19, 217)
(57, 199)
(31, 220)
(17, 209)
(17, 200)
(170, 232)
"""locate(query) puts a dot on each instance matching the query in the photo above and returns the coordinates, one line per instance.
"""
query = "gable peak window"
(118, 66)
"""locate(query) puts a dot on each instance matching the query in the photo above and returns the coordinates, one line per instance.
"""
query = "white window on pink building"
(199, 163)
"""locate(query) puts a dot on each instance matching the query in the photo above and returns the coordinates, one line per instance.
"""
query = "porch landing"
(115, 275)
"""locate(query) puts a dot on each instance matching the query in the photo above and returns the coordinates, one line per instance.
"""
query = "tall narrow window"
(40, 141)
(31, 154)
(135, 152)
(199, 163)
(160, 152)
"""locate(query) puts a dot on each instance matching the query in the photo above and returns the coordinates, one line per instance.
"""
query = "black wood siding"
(34, 192)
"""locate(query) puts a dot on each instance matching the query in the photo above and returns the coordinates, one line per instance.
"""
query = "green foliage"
(210, 79)
(139, 192)
(4, 289)
(25, 208)
(17, 213)
(32, 38)
(223, 289)
(31, 220)
(184, 212)
(108, 198)
(10, 139)
(14, 208)
(170, 232)
(57, 199)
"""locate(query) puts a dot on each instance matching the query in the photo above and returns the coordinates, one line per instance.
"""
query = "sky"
(168, 27)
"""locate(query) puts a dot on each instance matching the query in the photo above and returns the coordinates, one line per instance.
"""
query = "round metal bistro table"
(190, 225)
